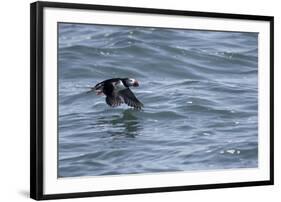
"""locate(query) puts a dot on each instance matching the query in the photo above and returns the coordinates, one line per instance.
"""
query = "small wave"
(161, 115)
(182, 82)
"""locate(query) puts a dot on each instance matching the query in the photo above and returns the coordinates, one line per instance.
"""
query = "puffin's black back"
(117, 79)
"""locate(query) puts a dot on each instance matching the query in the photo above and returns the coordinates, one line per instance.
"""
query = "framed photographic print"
(135, 100)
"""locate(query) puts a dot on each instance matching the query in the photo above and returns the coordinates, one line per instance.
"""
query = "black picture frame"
(37, 99)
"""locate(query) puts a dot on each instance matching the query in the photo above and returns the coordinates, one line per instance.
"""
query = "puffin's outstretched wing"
(113, 101)
(130, 99)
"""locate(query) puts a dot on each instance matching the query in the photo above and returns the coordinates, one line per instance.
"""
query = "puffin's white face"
(132, 82)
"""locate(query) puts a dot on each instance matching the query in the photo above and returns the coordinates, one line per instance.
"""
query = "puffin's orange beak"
(136, 83)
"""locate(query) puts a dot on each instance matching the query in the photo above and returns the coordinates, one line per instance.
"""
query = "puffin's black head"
(130, 82)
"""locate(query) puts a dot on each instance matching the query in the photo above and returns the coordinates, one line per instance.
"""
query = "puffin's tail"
(98, 89)
(92, 89)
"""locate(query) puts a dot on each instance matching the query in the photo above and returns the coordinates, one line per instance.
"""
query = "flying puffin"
(117, 91)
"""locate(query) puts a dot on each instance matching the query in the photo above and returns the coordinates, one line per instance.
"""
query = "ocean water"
(199, 90)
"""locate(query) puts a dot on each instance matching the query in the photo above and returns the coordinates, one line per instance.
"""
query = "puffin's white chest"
(119, 86)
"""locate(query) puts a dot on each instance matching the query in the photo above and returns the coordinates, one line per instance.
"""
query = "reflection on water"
(126, 124)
